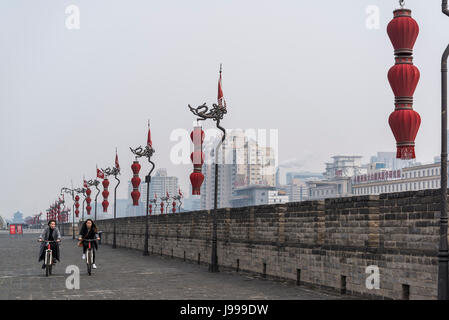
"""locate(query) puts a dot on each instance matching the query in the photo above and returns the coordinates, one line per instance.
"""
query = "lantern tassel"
(405, 152)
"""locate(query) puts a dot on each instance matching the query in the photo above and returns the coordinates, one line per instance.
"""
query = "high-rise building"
(242, 162)
(191, 202)
(161, 184)
(297, 190)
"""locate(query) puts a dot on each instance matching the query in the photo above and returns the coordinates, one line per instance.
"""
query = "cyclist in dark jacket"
(51, 233)
(89, 231)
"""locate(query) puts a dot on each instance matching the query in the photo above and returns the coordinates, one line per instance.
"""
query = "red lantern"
(105, 205)
(105, 195)
(162, 207)
(151, 208)
(403, 77)
(197, 157)
(196, 179)
(405, 125)
(403, 31)
(77, 198)
(135, 181)
(77, 212)
(174, 206)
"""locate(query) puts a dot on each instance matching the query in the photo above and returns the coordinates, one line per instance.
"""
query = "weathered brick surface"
(325, 240)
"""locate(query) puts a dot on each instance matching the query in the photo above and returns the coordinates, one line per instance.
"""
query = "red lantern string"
(197, 157)
(174, 206)
(105, 195)
(135, 181)
(403, 78)
(88, 200)
(162, 207)
(77, 205)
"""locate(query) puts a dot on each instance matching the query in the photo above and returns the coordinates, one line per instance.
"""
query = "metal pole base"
(443, 269)
(213, 268)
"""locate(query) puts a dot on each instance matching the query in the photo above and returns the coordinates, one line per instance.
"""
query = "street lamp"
(216, 114)
(148, 153)
(84, 201)
(61, 211)
(164, 201)
(72, 193)
(178, 198)
(443, 252)
(153, 201)
(114, 171)
(95, 183)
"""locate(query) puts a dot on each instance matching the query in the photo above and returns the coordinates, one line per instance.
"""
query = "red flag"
(100, 174)
(220, 99)
(117, 165)
(149, 142)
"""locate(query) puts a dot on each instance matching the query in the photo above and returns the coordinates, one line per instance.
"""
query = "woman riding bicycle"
(89, 232)
(51, 233)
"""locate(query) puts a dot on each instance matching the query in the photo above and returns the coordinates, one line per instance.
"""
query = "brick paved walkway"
(126, 274)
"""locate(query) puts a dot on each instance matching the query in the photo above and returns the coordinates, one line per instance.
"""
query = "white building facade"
(407, 179)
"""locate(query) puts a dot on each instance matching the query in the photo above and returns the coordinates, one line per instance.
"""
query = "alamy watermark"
(72, 21)
(373, 280)
(241, 146)
(372, 21)
(73, 280)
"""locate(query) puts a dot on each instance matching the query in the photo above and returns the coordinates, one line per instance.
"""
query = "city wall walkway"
(126, 274)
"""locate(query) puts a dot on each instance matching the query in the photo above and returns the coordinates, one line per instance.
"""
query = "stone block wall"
(325, 244)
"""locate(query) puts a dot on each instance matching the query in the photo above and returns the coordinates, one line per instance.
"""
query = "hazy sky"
(311, 69)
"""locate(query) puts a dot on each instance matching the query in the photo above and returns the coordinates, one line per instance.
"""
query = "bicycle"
(89, 256)
(48, 258)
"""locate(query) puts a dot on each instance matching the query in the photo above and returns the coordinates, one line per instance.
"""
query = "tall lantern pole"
(443, 252)
(216, 113)
(95, 183)
(72, 193)
(115, 171)
(83, 193)
(147, 152)
(62, 211)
